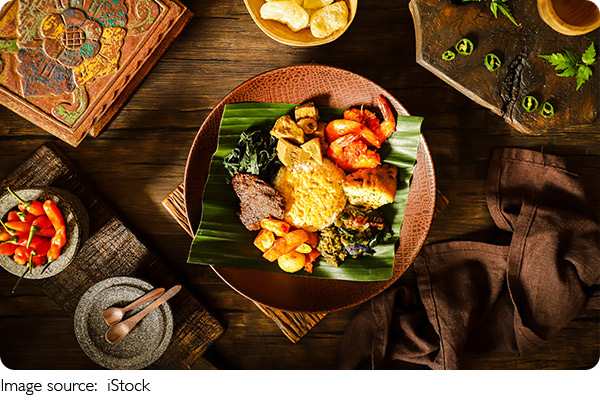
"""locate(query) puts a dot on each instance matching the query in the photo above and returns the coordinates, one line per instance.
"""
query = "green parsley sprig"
(502, 6)
(568, 62)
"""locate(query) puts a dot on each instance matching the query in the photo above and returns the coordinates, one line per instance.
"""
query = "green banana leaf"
(222, 240)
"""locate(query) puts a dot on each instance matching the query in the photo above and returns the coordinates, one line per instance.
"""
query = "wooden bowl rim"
(551, 17)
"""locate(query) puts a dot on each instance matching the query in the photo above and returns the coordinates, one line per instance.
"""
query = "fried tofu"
(290, 154)
(306, 110)
(313, 147)
(286, 128)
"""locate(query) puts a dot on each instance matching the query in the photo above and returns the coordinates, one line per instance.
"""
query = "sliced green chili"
(529, 103)
(448, 55)
(547, 110)
(492, 62)
(464, 46)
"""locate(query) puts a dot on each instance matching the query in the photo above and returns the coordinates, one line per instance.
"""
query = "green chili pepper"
(492, 62)
(547, 110)
(529, 103)
(464, 46)
(448, 55)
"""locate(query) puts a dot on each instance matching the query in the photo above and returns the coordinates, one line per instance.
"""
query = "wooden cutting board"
(69, 65)
(112, 249)
(439, 24)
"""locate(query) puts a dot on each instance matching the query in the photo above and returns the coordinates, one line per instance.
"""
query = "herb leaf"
(501, 5)
(504, 9)
(589, 55)
(583, 74)
(568, 64)
(494, 8)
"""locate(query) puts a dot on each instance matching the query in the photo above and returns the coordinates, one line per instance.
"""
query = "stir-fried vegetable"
(255, 154)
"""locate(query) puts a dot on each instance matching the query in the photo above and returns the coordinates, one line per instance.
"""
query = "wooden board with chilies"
(440, 24)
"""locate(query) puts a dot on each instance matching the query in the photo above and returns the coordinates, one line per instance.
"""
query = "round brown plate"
(326, 86)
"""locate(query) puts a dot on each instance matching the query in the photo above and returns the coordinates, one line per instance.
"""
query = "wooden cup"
(570, 17)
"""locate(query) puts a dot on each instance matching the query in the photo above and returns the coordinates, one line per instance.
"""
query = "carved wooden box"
(68, 65)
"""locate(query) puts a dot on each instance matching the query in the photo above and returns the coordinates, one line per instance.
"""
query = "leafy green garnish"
(502, 6)
(568, 62)
(255, 154)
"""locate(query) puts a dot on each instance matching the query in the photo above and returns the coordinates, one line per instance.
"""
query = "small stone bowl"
(76, 221)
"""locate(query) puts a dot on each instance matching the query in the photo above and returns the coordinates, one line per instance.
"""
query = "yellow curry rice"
(313, 194)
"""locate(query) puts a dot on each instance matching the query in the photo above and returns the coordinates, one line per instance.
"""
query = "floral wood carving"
(68, 61)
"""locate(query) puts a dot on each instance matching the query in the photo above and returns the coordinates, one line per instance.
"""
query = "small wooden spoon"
(120, 330)
(113, 315)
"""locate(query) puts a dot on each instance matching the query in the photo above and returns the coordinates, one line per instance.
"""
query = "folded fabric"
(460, 297)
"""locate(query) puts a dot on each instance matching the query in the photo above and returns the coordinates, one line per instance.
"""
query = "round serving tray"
(326, 86)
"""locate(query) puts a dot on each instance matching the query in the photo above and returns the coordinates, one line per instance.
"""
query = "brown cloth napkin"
(460, 297)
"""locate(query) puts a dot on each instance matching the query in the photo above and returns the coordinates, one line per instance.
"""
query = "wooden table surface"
(141, 158)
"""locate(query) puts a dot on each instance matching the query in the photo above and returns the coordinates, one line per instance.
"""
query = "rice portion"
(313, 193)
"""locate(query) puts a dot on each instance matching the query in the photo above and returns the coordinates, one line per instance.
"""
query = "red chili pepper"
(60, 237)
(19, 226)
(40, 245)
(4, 235)
(23, 238)
(43, 222)
(24, 216)
(39, 260)
(35, 207)
(47, 232)
(56, 244)
(54, 214)
(8, 249)
(22, 255)
(13, 216)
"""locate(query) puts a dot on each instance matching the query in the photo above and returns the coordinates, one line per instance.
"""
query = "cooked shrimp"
(388, 126)
(342, 127)
(380, 130)
(351, 153)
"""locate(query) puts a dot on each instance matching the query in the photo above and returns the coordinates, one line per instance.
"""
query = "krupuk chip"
(329, 19)
(286, 12)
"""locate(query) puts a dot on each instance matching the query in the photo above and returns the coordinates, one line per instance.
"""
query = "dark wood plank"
(141, 157)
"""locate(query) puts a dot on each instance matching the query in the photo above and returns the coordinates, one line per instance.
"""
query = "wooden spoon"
(120, 330)
(113, 315)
